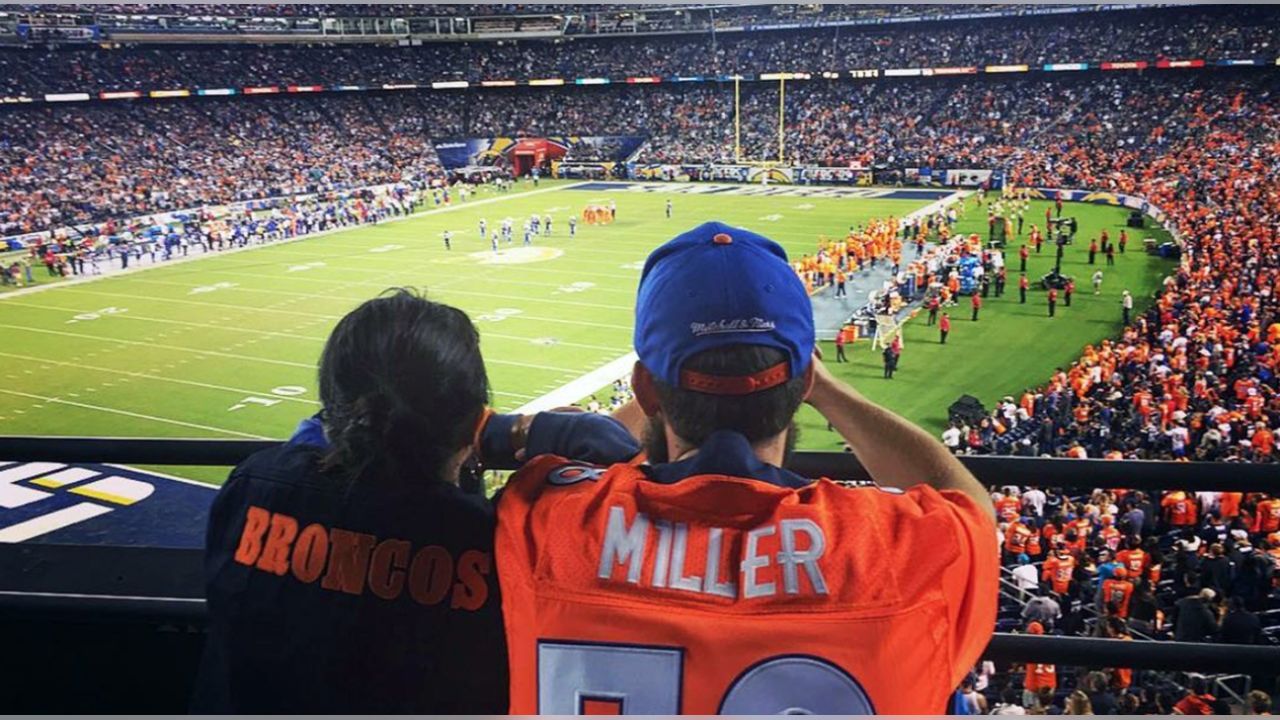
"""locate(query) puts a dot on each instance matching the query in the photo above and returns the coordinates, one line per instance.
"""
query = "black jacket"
(1241, 628)
(1194, 622)
(332, 597)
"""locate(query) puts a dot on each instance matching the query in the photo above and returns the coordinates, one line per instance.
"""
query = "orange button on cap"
(722, 239)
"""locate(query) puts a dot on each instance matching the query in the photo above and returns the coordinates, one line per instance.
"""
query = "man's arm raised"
(895, 452)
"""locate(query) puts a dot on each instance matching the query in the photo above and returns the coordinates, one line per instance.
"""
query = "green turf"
(194, 340)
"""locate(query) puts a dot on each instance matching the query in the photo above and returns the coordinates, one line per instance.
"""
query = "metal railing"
(992, 470)
(188, 607)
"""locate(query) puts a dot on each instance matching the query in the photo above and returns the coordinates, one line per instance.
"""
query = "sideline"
(108, 273)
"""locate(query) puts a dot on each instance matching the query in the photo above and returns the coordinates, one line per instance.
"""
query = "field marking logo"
(201, 290)
(57, 483)
(516, 256)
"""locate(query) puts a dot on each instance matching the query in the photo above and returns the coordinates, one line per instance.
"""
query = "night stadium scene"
(658, 359)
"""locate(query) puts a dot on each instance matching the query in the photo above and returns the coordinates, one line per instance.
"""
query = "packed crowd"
(1192, 32)
(61, 166)
(306, 9)
(754, 14)
(1191, 567)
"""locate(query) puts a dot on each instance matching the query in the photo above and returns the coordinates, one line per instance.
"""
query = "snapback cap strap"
(736, 385)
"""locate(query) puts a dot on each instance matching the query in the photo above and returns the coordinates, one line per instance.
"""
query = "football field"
(225, 346)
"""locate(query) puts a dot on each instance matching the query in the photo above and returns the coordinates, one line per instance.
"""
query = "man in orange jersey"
(1008, 507)
(1115, 593)
(1058, 569)
(712, 579)
(1039, 676)
(1134, 559)
(1268, 515)
(1179, 509)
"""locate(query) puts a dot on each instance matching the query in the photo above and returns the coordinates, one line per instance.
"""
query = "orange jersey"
(1268, 516)
(1058, 572)
(1040, 676)
(1229, 505)
(1116, 595)
(738, 596)
(1009, 509)
(1110, 537)
(1179, 509)
(1135, 561)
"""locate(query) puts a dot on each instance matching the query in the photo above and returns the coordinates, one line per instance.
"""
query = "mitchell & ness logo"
(718, 327)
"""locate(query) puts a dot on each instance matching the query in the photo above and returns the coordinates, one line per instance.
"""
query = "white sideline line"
(276, 243)
(583, 386)
(116, 411)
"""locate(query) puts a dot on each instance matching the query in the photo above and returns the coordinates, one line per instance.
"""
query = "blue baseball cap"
(716, 286)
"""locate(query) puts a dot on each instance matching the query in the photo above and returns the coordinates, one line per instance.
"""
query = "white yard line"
(223, 253)
(161, 378)
(176, 348)
(116, 411)
(184, 323)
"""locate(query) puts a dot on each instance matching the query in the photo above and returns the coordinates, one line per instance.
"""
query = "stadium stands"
(1194, 32)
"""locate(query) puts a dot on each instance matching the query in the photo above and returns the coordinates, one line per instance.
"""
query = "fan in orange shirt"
(1179, 509)
(1229, 505)
(1058, 570)
(1134, 559)
(1116, 592)
(1008, 507)
(1263, 440)
(1267, 517)
(1038, 676)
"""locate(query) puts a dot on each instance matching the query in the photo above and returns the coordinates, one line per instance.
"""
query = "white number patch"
(575, 287)
(212, 288)
(386, 248)
(498, 315)
(771, 218)
(646, 680)
(284, 391)
(86, 317)
(305, 267)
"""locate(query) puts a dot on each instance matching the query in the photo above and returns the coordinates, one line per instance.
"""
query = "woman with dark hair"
(346, 571)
